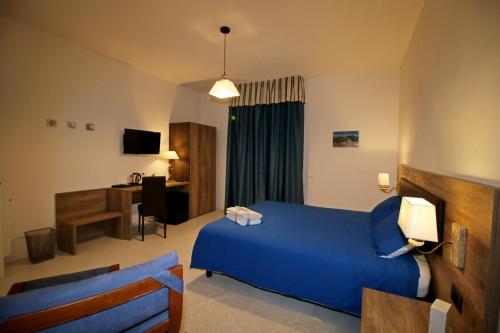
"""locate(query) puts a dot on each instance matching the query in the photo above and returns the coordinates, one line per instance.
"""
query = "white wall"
(215, 114)
(450, 91)
(187, 106)
(347, 177)
(46, 77)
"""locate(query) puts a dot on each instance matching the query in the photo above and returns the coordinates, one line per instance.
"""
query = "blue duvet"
(317, 254)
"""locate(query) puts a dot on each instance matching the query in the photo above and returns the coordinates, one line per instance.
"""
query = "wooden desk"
(124, 197)
(386, 313)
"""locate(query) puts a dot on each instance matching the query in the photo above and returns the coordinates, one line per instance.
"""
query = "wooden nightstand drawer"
(387, 313)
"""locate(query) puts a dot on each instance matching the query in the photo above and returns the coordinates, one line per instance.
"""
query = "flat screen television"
(141, 142)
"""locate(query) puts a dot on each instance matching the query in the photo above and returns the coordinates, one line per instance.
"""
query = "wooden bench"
(81, 208)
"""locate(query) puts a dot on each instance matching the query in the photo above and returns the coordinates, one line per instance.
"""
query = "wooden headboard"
(476, 207)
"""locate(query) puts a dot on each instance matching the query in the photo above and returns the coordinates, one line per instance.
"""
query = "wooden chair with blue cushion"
(154, 202)
(142, 298)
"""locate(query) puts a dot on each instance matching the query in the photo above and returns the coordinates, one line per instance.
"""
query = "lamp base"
(416, 242)
(386, 189)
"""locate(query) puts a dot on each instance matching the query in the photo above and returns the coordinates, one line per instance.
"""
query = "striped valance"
(287, 89)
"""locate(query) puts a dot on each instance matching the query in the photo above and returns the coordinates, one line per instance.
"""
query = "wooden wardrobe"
(195, 144)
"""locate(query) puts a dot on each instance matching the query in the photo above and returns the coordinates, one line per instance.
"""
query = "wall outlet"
(90, 126)
(459, 239)
(438, 316)
(72, 124)
(51, 123)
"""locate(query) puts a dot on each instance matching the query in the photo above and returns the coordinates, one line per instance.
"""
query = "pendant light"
(224, 88)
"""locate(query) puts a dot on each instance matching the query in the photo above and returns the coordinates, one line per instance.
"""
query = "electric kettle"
(135, 178)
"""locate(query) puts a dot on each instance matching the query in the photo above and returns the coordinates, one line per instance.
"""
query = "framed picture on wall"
(346, 139)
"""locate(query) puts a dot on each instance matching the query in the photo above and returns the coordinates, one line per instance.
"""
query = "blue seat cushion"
(149, 324)
(116, 319)
(385, 208)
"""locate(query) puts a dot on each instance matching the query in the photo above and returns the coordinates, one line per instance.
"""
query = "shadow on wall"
(186, 106)
(491, 182)
(346, 178)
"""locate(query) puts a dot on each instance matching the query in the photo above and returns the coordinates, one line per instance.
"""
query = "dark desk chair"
(154, 194)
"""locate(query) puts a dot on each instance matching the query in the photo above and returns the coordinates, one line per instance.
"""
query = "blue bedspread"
(317, 254)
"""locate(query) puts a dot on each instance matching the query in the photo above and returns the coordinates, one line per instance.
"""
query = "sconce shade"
(417, 219)
(171, 155)
(224, 88)
(383, 179)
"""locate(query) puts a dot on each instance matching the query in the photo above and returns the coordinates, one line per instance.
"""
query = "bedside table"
(385, 313)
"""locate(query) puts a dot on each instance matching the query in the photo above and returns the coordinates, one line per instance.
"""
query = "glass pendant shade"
(224, 88)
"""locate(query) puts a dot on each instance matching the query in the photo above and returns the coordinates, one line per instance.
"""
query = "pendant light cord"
(224, 55)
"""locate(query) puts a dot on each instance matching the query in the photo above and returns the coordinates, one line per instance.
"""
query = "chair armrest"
(24, 286)
(173, 324)
(175, 306)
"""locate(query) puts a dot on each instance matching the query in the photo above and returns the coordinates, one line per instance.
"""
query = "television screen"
(141, 142)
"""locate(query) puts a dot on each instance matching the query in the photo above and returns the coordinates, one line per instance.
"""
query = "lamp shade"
(224, 88)
(417, 219)
(171, 155)
(383, 179)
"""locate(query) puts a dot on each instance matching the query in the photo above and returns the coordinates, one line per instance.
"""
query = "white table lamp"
(170, 155)
(417, 220)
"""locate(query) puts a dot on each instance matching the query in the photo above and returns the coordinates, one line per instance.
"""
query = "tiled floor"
(218, 304)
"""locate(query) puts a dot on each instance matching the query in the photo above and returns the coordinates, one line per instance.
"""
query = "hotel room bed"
(321, 255)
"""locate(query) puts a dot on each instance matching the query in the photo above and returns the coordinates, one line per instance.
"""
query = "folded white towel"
(254, 222)
(243, 216)
(243, 210)
(242, 220)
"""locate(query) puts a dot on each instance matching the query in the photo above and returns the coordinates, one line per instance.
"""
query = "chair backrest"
(154, 196)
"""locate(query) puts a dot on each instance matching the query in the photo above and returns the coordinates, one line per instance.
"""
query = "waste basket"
(41, 244)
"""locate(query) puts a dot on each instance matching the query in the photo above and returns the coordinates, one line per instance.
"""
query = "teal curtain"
(265, 148)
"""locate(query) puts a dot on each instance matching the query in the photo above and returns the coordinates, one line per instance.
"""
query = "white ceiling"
(179, 40)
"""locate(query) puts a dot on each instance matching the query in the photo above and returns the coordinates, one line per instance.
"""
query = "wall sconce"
(384, 183)
(417, 220)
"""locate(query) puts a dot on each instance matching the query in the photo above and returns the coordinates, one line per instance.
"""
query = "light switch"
(459, 240)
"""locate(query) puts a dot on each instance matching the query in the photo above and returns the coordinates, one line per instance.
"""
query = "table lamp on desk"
(170, 155)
